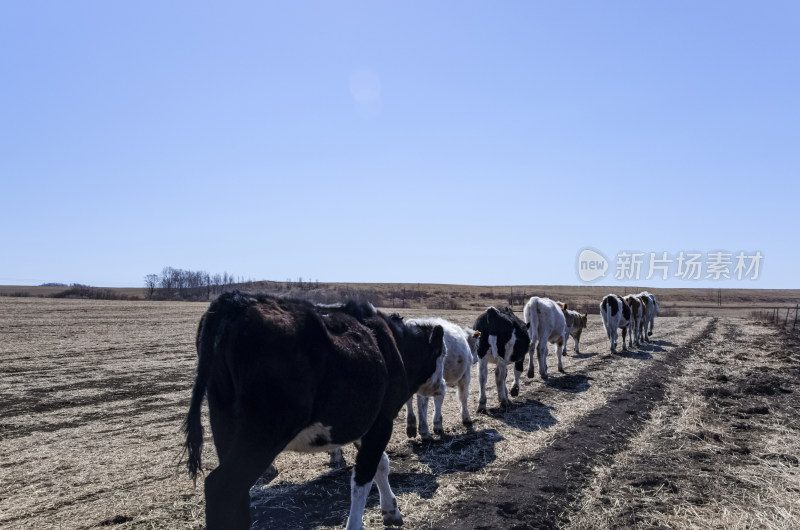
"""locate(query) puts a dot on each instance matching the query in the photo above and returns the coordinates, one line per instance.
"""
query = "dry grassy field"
(699, 429)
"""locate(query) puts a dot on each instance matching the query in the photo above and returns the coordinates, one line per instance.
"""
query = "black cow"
(284, 374)
(502, 332)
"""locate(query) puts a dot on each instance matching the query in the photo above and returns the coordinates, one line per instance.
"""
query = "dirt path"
(721, 450)
(537, 489)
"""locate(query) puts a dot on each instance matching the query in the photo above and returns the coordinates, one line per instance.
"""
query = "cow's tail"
(210, 326)
(605, 314)
(192, 426)
(531, 316)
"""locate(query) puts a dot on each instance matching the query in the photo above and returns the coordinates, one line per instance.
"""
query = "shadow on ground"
(572, 383)
(528, 416)
(469, 452)
(325, 501)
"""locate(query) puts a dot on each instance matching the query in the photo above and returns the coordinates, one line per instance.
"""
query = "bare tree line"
(180, 284)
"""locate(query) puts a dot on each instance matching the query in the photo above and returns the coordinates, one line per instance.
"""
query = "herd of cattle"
(282, 374)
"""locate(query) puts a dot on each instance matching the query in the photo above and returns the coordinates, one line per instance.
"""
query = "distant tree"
(151, 282)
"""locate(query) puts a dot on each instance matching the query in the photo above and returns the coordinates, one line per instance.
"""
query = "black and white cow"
(284, 374)
(616, 314)
(576, 323)
(502, 340)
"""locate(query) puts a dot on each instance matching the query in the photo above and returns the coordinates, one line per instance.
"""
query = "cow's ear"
(565, 307)
(437, 335)
(476, 334)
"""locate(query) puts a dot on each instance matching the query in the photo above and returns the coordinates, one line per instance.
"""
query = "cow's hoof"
(504, 403)
(530, 373)
(544, 377)
(437, 429)
(466, 422)
(337, 460)
(514, 391)
(411, 431)
(393, 518)
(482, 409)
(425, 436)
(562, 370)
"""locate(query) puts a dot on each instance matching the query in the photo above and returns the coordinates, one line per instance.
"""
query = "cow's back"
(322, 363)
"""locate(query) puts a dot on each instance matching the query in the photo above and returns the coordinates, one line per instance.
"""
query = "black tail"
(192, 426)
(207, 332)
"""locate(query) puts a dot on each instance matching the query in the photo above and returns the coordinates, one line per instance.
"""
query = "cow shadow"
(659, 346)
(468, 452)
(572, 383)
(580, 355)
(324, 501)
(634, 353)
(528, 416)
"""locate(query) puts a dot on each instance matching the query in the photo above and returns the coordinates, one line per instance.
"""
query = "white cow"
(460, 353)
(616, 314)
(652, 311)
(546, 323)
(576, 323)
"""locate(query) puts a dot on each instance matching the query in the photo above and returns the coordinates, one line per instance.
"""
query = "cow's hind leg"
(559, 350)
(500, 380)
(411, 419)
(483, 376)
(542, 354)
(227, 488)
(337, 460)
(463, 393)
(518, 366)
(531, 357)
(389, 510)
(422, 410)
(369, 460)
(437, 415)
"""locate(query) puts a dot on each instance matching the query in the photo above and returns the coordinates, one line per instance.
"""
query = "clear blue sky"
(454, 142)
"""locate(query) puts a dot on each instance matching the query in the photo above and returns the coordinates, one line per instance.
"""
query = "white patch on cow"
(302, 443)
(358, 501)
(510, 346)
(493, 344)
